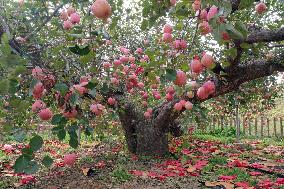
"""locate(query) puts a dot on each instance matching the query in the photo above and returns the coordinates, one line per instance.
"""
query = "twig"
(5, 27)
(195, 34)
(276, 45)
(45, 22)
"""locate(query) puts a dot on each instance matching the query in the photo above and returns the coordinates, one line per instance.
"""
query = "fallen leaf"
(191, 169)
(225, 184)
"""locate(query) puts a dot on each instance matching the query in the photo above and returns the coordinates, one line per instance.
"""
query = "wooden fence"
(258, 127)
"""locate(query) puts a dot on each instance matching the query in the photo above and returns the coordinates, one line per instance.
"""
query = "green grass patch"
(218, 160)
(222, 139)
(120, 174)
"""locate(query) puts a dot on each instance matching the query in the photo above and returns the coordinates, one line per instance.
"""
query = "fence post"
(268, 127)
(244, 124)
(249, 121)
(274, 124)
(261, 126)
(213, 123)
(79, 135)
(222, 123)
(255, 126)
(238, 124)
(281, 126)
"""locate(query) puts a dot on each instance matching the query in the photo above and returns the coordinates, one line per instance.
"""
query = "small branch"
(5, 27)
(275, 46)
(45, 22)
(194, 36)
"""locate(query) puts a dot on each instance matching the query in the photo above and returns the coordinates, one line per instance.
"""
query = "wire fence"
(257, 127)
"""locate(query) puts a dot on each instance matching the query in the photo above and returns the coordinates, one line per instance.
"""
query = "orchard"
(150, 67)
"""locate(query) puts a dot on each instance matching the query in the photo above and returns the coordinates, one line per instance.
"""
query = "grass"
(218, 160)
(221, 139)
(120, 174)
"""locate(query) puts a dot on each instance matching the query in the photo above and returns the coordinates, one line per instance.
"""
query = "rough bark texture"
(141, 137)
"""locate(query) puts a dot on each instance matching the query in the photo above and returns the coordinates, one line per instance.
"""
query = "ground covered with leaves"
(193, 163)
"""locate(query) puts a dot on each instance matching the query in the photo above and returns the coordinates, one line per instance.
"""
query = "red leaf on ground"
(224, 177)
(255, 173)
(136, 172)
(256, 165)
(280, 181)
(242, 184)
(265, 184)
(26, 179)
(200, 164)
(100, 164)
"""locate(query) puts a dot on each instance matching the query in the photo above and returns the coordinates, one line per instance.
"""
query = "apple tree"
(146, 62)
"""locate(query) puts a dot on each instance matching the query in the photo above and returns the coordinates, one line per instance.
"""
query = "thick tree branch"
(237, 75)
(266, 36)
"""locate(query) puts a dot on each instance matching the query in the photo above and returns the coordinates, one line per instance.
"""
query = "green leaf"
(226, 8)
(232, 52)
(144, 24)
(233, 33)
(47, 161)
(19, 136)
(27, 151)
(245, 45)
(91, 85)
(74, 99)
(58, 119)
(36, 143)
(4, 86)
(104, 89)
(31, 168)
(73, 128)
(217, 33)
(241, 28)
(185, 67)
(93, 92)
(73, 142)
(61, 134)
(21, 163)
(89, 131)
(80, 50)
(171, 74)
(62, 88)
(246, 3)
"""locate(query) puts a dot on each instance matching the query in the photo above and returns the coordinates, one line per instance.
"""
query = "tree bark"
(142, 136)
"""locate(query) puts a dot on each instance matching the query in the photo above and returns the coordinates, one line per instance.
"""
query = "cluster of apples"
(45, 80)
(178, 44)
(183, 104)
(197, 65)
(70, 17)
(100, 8)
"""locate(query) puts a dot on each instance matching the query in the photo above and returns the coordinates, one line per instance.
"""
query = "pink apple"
(45, 114)
(74, 18)
(212, 12)
(260, 8)
(188, 105)
(168, 29)
(180, 78)
(196, 66)
(178, 106)
(69, 159)
(38, 105)
(207, 61)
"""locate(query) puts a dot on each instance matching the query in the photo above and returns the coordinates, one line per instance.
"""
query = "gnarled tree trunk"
(142, 136)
